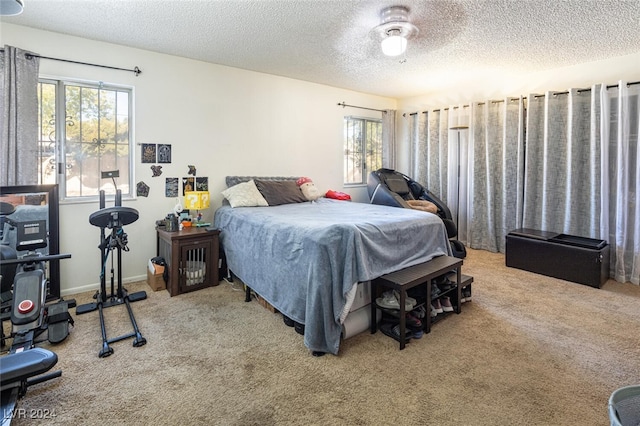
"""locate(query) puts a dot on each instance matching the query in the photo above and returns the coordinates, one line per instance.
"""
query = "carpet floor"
(527, 350)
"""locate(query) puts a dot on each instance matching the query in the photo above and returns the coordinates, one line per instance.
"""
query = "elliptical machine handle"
(31, 259)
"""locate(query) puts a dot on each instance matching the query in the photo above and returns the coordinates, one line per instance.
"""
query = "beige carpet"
(528, 350)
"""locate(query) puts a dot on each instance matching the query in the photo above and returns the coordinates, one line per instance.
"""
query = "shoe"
(412, 321)
(446, 284)
(419, 312)
(467, 294)
(445, 302)
(435, 304)
(434, 313)
(388, 301)
(408, 300)
(393, 331)
(435, 291)
(416, 332)
(287, 321)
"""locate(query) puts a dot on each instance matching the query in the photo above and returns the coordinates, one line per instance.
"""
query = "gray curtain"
(19, 117)
(419, 159)
(389, 138)
(620, 136)
(565, 162)
(495, 183)
(582, 174)
(430, 151)
(563, 172)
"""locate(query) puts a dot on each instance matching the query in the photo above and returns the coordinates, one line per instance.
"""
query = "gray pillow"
(280, 192)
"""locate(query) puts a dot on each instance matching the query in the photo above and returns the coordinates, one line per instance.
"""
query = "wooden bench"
(410, 277)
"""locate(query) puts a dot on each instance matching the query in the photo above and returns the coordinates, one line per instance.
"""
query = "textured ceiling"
(331, 42)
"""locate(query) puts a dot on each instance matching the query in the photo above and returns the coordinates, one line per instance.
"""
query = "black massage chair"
(391, 188)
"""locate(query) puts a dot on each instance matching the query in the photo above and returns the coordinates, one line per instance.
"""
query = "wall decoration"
(142, 189)
(164, 153)
(148, 153)
(188, 184)
(202, 184)
(157, 170)
(192, 170)
(171, 187)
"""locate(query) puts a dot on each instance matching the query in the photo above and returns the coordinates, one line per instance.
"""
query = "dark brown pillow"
(278, 192)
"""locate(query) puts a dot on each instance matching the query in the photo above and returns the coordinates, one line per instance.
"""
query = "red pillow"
(336, 195)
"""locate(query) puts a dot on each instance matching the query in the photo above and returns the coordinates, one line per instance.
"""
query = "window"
(84, 129)
(362, 148)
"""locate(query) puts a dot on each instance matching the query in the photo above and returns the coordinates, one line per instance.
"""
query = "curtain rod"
(354, 106)
(135, 70)
(611, 86)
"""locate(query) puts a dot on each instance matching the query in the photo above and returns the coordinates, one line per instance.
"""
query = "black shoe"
(435, 291)
(393, 330)
(287, 321)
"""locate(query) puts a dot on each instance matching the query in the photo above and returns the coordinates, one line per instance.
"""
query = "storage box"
(568, 257)
(155, 280)
(358, 321)
(363, 296)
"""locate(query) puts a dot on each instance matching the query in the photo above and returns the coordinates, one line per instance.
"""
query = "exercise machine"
(110, 220)
(24, 289)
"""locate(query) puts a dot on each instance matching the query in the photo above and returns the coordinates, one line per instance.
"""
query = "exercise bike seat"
(18, 367)
(28, 287)
(113, 217)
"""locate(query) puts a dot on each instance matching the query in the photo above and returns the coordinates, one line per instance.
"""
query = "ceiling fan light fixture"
(395, 30)
(11, 7)
(394, 45)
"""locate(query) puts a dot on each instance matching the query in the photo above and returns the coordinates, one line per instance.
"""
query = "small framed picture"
(202, 184)
(164, 153)
(171, 187)
(188, 184)
(148, 153)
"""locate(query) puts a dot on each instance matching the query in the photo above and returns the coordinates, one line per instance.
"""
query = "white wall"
(499, 86)
(223, 120)
(228, 121)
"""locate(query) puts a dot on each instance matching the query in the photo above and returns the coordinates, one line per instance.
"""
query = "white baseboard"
(96, 286)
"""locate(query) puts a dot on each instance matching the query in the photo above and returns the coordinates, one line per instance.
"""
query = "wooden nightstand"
(191, 256)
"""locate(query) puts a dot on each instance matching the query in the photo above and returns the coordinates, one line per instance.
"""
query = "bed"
(306, 258)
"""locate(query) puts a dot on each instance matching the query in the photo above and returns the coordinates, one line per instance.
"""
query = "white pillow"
(245, 194)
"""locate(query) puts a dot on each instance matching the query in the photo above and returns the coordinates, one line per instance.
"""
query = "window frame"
(60, 84)
(363, 163)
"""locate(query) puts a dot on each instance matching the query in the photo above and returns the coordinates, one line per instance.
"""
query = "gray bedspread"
(304, 258)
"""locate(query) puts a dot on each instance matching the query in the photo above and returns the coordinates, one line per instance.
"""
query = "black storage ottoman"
(568, 257)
